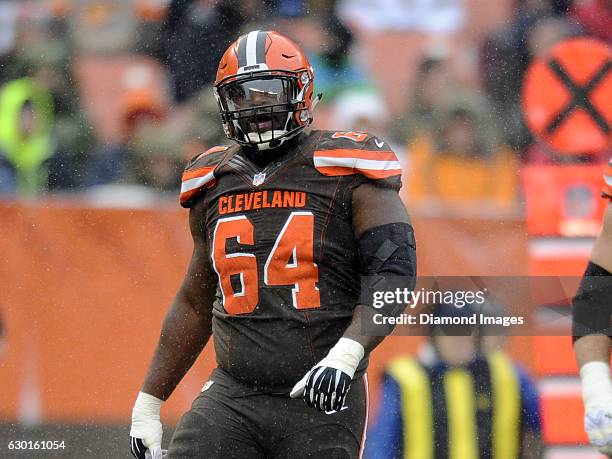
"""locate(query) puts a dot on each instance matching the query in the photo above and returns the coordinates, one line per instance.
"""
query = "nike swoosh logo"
(379, 143)
(333, 412)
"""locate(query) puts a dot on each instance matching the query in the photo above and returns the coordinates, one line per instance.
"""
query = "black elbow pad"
(387, 255)
(592, 305)
(388, 248)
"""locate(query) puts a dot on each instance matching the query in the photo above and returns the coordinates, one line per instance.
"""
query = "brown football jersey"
(282, 245)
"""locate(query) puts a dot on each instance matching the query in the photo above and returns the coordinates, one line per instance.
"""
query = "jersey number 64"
(291, 262)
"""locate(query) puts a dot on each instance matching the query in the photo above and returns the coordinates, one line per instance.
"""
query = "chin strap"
(272, 144)
(275, 143)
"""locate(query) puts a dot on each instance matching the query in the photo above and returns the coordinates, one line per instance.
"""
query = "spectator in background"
(460, 167)
(72, 132)
(112, 163)
(43, 54)
(26, 117)
(595, 16)
(455, 402)
(452, 142)
(196, 33)
(434, 85)
(157, 142)
(506, 55)
(200, 125)
(439, 81)
(156, 159)
(160, 153)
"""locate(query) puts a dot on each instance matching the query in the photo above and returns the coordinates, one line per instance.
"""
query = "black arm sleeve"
(592, 304)
(387, 254)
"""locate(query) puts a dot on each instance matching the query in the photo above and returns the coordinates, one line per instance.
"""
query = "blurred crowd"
(98, 97)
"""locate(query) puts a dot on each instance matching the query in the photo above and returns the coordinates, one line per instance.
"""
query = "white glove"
(146, 431)
(325, 386)
(597, 397)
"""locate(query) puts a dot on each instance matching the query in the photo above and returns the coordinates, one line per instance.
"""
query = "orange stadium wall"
(83, 293)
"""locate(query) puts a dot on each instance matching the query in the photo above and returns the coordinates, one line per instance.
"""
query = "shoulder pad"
(349, 153)
(199, 173)
(607, 189)
(358, 140)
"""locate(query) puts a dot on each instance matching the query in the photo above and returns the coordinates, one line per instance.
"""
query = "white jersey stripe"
(367, 413)
(357, 163)
(197, 182)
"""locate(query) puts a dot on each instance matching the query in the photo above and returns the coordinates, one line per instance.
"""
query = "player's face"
(456, 351)
(491, 343)
(262, 104)
(460, 136)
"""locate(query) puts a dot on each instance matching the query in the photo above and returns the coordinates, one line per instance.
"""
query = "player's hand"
(325, 386)
(598, 426)
(146, 431)
(597, 397)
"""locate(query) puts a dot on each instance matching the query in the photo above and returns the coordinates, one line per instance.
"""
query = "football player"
(592, 307)
(285, 223)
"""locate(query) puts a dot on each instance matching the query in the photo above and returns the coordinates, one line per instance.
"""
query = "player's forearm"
(602, 254)
(184, 334)
(592, 348)
(364, 314)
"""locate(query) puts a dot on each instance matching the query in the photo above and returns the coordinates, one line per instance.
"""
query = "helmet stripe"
(251, 47)
(242, 60)
(260, 51)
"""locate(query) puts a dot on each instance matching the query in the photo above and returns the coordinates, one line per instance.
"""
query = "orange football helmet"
(264, 88)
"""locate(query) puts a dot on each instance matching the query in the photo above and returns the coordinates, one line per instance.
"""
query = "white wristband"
(596, 384)
(345, 356)
(147, 404)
